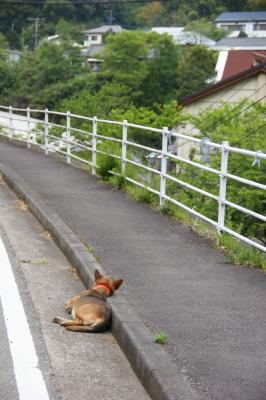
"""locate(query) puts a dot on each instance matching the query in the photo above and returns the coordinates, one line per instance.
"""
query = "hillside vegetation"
(142, 77)
(55, 15)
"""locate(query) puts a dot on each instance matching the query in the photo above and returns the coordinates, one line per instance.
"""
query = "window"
(94, 38)
(260, 27)
(232, 27)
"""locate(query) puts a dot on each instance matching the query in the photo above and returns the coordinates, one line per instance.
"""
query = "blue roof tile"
(242, 16)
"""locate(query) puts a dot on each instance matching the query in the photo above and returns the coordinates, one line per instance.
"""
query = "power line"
(227, 100)
(217, 123)
(247, 136)
(78, 2)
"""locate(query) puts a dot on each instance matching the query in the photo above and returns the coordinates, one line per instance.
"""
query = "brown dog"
(89, 309)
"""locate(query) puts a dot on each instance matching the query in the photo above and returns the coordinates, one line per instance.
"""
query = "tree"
(146, 63)
(40, 75)
(150, 14)
(90, 102)
(161, 82)
(124, 58)
(257, 4)
(158, 117)
(3, 42)
(68, 31)
(7, 76)
(206, 28)
(59, 9)
(195, 68)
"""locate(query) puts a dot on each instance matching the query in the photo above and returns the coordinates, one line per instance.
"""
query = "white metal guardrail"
(24, 128)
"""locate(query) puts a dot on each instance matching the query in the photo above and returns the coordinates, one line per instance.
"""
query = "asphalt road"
(70, 366)
(213, 312)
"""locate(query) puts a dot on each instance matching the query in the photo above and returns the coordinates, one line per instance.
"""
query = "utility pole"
(36, 22)
(22, 37)
(110, 17)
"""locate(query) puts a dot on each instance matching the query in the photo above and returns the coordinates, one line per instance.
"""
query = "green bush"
(106, 163)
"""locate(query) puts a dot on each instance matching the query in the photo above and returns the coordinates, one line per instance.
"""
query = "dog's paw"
(68, 307)
(57, 320)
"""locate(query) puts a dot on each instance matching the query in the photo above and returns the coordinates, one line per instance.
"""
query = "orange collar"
(103, 286)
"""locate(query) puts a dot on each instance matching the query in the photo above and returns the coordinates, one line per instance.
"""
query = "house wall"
(93, 39)
(261, 88)
(220, 65)
(231, 95)
(252, 29)
(253, 88)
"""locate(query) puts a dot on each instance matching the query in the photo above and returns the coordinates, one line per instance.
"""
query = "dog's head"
(105, 281)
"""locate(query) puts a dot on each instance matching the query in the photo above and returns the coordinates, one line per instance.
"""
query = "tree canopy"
(19, 30)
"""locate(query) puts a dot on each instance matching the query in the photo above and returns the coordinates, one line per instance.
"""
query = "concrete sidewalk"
(213, 312)
(73, 366)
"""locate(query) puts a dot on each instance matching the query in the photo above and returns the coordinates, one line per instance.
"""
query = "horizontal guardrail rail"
(53, 131)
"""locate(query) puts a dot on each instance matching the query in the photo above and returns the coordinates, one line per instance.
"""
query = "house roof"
(183, 37)
(92, 50)
(105, 29)
(170, 30)
(238, 43)
(240, 60)
(242, 16)
(191, 37)
(253, 71)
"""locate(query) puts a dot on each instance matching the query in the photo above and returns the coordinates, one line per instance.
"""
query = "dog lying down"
(89, 309)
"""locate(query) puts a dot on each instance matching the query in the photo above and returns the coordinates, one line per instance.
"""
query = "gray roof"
(92, 50)
(255, 42)
(191, 37)
(105, 29)
(242, 16)
(182, 37)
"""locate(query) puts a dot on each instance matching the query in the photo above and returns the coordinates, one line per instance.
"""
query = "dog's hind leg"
(67, 322)
(98, 326)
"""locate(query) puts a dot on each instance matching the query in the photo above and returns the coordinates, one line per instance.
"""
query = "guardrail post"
(163, 166)
(68, 127)
(46, 131)
(94, 145)
(28, 128)
(223, 182)
(10, 132)
(124, 147)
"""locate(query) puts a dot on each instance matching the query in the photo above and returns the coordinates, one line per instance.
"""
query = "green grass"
(142, 195)
(241, 254)
(160, 337)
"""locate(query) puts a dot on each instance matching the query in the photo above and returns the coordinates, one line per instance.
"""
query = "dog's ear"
(97, 275)
(117, 283)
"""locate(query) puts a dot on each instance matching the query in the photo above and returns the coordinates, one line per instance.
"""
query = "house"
(238, 54)
(55, 39)
(182, 37)
(250, 83)
(12, 55)
(253, 23)
(96, 36)
(94, 43)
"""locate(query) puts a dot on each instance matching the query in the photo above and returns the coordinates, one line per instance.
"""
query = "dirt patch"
(73, 271)
(47, 235)
(36, 261)
(21, 205)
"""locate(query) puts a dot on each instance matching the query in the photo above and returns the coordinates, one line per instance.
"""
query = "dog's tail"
(98, 326)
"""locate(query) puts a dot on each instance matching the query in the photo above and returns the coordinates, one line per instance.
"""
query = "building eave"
(223, 84)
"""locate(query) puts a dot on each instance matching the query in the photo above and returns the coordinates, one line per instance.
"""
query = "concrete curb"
(159, 376)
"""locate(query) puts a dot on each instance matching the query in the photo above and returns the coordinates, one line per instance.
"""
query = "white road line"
(30, 382)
